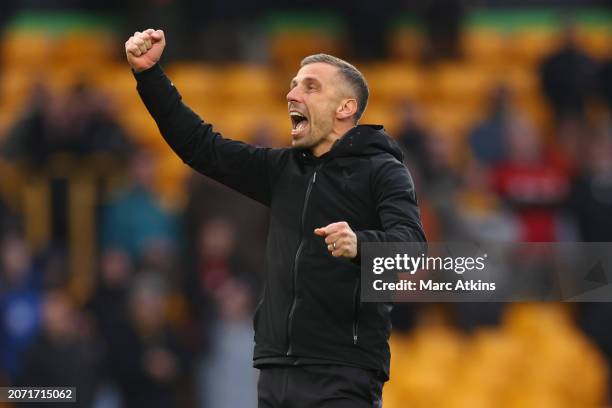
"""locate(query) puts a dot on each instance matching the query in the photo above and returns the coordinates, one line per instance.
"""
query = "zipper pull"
(355, 339)
(314, 177)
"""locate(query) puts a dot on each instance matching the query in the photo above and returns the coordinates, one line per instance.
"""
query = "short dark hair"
(355, 79)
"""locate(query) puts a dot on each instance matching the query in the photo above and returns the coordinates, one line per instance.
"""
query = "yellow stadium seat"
(250, 83)
(452, 119)
(395, 82)
(85, 49)
(240, 122)
(382, 114)
(15, 89)
(171, 175)
(288, 48)
(463, 84)
(530, 47)
(26, 50)
(597, 42)
(522, 81)
(485, 46)
(405, 44)
(196, 81)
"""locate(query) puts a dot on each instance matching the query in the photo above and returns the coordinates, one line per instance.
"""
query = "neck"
(326, 144)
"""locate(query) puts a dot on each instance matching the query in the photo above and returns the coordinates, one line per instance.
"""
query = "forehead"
(318, 70)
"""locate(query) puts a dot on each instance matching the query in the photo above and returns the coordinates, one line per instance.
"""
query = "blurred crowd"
(168, 322)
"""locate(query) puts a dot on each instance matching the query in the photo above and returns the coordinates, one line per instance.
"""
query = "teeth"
(298, 121)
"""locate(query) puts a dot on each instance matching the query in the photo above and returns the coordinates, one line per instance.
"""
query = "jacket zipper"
(356, 308)
(297, 256)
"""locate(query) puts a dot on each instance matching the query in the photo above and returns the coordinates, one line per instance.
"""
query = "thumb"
(320, 232)
(157, 35)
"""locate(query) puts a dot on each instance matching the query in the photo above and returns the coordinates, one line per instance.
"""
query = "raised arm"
(245, 168)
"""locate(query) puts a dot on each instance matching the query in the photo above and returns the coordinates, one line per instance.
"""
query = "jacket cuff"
(154, 71)
(360, 239)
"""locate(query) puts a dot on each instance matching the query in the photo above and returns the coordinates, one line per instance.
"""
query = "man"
(339, 185)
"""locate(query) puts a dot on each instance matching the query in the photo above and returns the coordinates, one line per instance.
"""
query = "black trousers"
(318, 386)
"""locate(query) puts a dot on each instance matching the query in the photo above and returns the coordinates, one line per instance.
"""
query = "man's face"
(315, 95)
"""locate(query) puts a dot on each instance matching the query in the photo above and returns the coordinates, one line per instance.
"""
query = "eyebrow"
(294, 81)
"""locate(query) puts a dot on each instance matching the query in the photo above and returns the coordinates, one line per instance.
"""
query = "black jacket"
(310, 310)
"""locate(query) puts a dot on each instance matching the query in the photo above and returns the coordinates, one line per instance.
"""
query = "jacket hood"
(362, 140)
(366, 140)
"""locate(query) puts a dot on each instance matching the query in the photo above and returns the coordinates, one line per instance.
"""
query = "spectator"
(591, 203)
(482, 216)
(108, 301)
(571, 136)
(229, 366)
(146, 358)
(103, 132)
(107, 307)
(605, 78)
(412, 136)
(440, 180)
(5, 216)
(533, 181)
(488, 139)
(26, 140)
(569, 77)
(80, 122)
(217, 260)
(135, 219)
(63, 355)
(19, 304)
(591, 195)
(210, 200)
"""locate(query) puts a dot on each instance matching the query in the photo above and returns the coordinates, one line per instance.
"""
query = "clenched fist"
(144, 49)
(340, 239)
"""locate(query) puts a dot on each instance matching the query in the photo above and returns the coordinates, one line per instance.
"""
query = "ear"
(347, 108)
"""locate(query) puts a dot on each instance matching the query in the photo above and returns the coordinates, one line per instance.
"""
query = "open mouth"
(298, 122)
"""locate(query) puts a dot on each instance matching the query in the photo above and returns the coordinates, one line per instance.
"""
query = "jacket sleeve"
(396, 205)
(245, 168)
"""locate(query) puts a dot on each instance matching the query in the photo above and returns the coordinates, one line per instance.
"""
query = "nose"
(293, 95)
